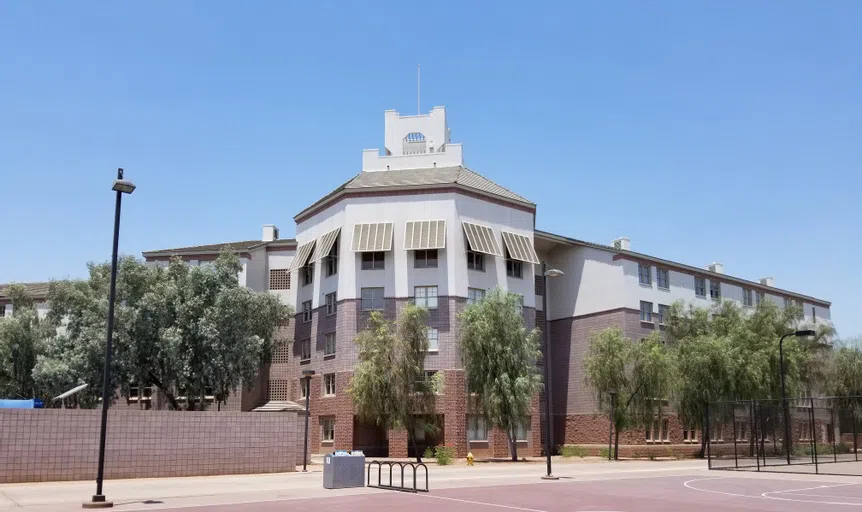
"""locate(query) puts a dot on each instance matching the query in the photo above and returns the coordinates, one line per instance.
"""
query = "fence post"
(754, 430)
(853, 417)
(708, 440)
(833, 425)
(814, 439)
(733, 418)
(762, 435)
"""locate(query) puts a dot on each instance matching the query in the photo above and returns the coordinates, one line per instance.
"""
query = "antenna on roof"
(418, 76)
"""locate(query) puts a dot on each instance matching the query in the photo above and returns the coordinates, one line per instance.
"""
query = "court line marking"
(790, 491)
(510, 507)
(762, 497)
(830, 497)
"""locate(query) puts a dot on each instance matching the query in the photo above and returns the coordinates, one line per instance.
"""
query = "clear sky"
(725, 131)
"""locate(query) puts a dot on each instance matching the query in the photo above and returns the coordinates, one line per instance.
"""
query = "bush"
(804, 450)
(573, 451)
(444, 454)
(429, 453)
(651, 456)
(603, 453)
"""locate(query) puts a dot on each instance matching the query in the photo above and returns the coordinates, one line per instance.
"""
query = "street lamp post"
(612, 415)
(785, 406)
(549, 443)
(121, 187)
(306, 376)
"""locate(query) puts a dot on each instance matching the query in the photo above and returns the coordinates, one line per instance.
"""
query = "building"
(418, 225)
(36, 291)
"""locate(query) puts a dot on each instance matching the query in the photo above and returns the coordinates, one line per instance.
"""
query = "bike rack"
(391, 485)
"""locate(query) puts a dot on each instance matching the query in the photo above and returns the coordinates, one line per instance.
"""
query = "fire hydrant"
(469, 458)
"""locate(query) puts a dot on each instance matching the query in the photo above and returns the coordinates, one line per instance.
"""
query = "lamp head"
(553, 272)
(124, 186)
(307, 374)
(806, 332)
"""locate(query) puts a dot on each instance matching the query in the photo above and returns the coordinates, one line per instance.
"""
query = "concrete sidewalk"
(151, 494)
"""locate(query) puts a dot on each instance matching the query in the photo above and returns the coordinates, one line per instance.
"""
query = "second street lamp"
(549, 441)
(306, 376)
(784, 405)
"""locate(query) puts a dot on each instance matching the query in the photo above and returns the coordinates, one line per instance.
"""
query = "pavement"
(584, 485)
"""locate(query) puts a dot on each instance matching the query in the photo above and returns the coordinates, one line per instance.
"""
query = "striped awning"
(372, 237)
(302, 254)
(481, 239)
(425, 234)
(520, 248)
(325, 243)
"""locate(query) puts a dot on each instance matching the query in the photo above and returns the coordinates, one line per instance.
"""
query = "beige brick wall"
(63, 444)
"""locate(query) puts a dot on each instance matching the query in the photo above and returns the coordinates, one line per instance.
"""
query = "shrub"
(651, 456)
(604, 452)
(573, 451)
(804, 450)
(444, 454)
(429, 453)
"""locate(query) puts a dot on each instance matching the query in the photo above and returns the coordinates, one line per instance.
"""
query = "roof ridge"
(465, 168)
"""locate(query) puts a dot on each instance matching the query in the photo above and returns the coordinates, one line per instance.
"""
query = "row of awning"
(418, 235)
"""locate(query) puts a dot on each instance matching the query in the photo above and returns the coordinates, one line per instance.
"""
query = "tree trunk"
(411, 435)
(514, 444)
(616, 444)
(168, 395)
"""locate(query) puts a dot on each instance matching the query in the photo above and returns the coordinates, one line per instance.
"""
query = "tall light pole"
(121, 187)
(785, 406)
(549, 442)
(306, 376)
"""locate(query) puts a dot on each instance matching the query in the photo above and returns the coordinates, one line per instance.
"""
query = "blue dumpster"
(34, 403)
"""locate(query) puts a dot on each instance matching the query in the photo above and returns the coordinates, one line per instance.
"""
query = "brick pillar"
(398, 440)
(499, 443)
(343, 413)
(536, 434)
(453, 405)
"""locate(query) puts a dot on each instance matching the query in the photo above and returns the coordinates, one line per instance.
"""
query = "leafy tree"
(389, 387)
(22, 338)
(499, 357)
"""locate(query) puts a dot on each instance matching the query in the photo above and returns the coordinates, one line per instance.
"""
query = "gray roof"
(409, 178)
(244, 245)
(34, 290)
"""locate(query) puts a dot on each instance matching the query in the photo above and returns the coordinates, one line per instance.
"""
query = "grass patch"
(605, 453)
(573, 451)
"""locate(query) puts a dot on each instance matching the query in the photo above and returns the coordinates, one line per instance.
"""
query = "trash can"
(343, 469)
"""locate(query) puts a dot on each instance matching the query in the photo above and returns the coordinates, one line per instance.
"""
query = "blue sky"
(704, 131)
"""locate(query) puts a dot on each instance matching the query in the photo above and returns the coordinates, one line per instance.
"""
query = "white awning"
(324, 244)
(481, 239)
(520, 248)
(372, 237)
(302, 254)
(425, 234)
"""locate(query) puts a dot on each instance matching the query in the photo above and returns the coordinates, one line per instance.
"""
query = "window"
(689, 435)
(476, 261)
(644, 274)
(303, 388)
(742, 430)
(332, 260)
(373, 260)
(520, 304)
(813, 313)
(475, 295)
(372, 298)
(328, 429)
(305, 350)
(308, 274)
(714, 289)
(700, 286)
(746, 298)
(646, 311)
(657, 432)
(433, 339)
(329, 344)
(279, 279)
(429, 378)
(760, 296)
(805, 432)
(425, 258)
(514, 268)
(663, 278)
(716, 432)
(306, 311)
(522, 429)
(419, 430)
(426, 296)
(331, 304)
(663, 311)
(329, 384)
(476, 429)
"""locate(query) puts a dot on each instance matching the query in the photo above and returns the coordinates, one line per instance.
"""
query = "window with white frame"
(522, 429)
(329, 384)
(475, 261)
(644, 274)
(714, 289)
(689, 435)
(663, 311)
(658, 432)
(716, 432)
(373, 260)
(741, 427)
(426, 296)
(305, 350)
(331, 303)
(747, 299)
(646, 311)
(805, 432)
(429, 378)
(308, 274)
(433, 339)
(759, 296)
(329, 344)
(475, 295)
(519, 306)
(372, 298)
(332, 260)
(328, 425)
(700, 286)
(663, 278)
(476, 429)
(514, 268)
(425, 258)
(303, 388)
(813, 313)
(306, 311)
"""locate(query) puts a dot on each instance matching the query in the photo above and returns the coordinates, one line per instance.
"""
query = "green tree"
(389, 386)
(500, 361)
(22, 339)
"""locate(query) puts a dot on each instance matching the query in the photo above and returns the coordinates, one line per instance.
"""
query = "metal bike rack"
(402, 465)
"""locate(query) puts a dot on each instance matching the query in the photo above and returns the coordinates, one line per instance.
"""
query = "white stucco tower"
(414, 142)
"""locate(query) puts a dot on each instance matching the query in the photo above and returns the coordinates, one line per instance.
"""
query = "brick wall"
(63, 444)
